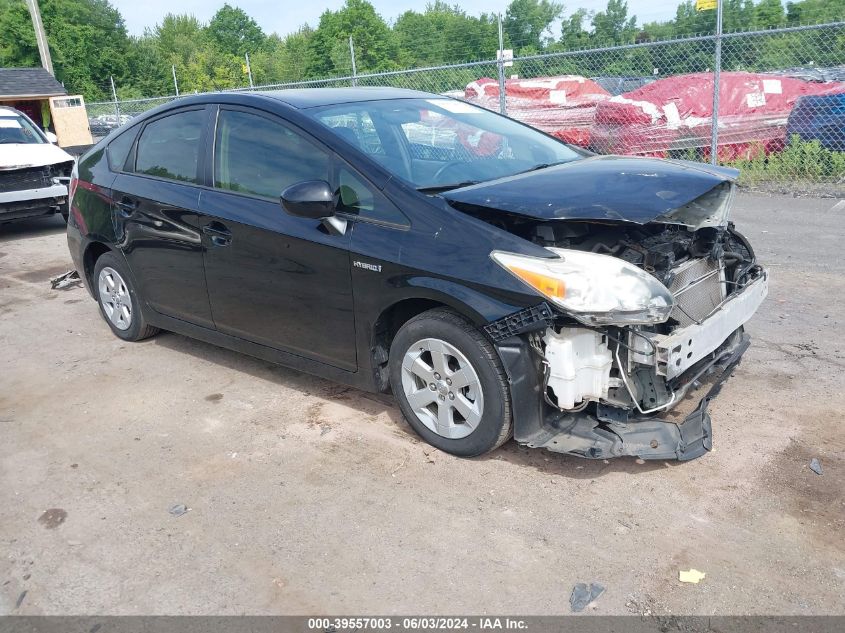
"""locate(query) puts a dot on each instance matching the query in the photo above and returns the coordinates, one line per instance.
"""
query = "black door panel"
(158, 224)
(280, 281)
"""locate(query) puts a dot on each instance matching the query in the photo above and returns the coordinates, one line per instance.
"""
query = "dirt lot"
(308, 497)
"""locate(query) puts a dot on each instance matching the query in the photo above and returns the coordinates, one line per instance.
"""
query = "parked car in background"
(102, 124)
(498, 281)
(819, 118)
(34, 172)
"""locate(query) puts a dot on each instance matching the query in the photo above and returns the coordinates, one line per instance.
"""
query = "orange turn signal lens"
(548, 286)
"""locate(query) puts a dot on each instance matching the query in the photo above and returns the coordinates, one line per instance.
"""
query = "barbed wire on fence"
(779, 106)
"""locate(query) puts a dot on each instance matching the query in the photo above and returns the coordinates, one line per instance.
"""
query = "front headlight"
(595, 289)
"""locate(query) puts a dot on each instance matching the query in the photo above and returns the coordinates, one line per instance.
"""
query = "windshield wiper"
(543, 166)
(440, 188)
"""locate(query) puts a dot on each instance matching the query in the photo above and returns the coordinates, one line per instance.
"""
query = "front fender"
(477, 305)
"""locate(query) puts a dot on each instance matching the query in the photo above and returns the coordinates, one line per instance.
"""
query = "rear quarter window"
(170, 147)
(118, 150)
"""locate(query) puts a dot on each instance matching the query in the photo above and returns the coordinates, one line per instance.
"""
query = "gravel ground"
(309, 497)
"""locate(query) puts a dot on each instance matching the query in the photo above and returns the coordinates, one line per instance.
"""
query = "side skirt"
(270, 354)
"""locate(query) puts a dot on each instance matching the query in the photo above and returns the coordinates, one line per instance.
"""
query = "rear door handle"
(126, 206)
(219, 234)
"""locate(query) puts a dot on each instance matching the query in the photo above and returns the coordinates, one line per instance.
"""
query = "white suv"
(34, 172)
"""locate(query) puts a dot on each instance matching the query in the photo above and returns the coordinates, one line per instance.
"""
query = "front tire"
(118, 301)
(450, 384)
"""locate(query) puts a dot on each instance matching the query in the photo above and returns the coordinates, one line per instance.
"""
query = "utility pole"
(175, 83)
(352, 57)
(116, 103)
(503, 108)
(249, 70)
(40, 35)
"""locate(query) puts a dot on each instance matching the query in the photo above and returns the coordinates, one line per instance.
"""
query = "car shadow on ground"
(34, 227)
(369, 404)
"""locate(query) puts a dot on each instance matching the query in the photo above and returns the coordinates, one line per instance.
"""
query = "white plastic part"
(579, 365)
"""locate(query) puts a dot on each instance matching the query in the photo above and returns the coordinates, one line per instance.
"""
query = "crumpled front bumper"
(606, 433)
(647, 437)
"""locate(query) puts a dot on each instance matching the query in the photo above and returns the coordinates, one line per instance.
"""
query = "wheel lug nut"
(442, 397)
(448, 381)
(451, 396)
(432, 386)
(436, 376)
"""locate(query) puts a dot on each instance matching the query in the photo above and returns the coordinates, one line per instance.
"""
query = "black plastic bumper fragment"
(645, 437)
(527, 320)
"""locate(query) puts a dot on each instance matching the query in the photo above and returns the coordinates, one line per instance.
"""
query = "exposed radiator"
(698, 288)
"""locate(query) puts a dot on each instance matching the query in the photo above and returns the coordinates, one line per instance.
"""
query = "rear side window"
(118, 150)
(262, 157)
(170, 147)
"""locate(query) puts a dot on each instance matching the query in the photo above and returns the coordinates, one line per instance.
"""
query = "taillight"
(74, 181)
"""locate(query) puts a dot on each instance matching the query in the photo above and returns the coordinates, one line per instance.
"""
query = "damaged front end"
(642, 323)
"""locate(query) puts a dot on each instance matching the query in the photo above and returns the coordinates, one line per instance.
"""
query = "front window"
(261, 157)
(18, 129)
(438, 143)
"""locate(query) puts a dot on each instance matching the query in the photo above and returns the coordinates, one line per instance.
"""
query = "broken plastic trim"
(527, 320)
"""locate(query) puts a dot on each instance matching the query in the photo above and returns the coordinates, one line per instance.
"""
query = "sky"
(285, 16)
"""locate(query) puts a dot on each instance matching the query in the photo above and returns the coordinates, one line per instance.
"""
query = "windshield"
(17, 129)
(438, 144)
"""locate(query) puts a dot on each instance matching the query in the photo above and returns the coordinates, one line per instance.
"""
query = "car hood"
(22, 155)
(614, 188)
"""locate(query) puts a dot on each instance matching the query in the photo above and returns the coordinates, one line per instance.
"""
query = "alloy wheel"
(114, 297)
(442, 388)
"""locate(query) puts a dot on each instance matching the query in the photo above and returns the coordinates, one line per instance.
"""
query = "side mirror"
(310, 199)
(51, 137)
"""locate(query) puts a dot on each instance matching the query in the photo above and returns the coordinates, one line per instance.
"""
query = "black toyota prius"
(498, 281)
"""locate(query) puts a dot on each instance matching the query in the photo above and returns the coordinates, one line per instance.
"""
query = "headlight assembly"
(595, 289)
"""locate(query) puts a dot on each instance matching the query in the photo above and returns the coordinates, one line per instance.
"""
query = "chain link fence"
(779, 100)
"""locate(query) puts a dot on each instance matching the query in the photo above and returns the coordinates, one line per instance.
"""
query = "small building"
(38, 94)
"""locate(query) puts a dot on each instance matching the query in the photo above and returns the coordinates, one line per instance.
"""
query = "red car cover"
(676, 114)
(564, 106)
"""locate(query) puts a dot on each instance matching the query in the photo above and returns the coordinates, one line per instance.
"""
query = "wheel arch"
(427, 294)
(93, 251)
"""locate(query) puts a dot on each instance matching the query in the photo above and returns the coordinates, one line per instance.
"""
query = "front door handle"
(219, 234)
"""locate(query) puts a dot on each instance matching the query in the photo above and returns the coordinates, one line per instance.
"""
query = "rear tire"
(118, 300)
(450, 384)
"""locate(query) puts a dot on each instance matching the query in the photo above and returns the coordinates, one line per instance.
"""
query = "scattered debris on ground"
(178, 509)
(66, 280)
(816, 466)
(691, 575)
(583, 596)
(52, 518)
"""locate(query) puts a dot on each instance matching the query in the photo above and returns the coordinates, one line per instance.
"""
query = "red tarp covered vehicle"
(676, 113)
(564, 106)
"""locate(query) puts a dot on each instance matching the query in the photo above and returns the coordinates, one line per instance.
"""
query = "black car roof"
(302, 98)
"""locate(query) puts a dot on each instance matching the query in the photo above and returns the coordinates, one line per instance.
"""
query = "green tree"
(527, 22)
(770, 14)
(234, 32)
(444, 34)
(88, 42)
(375, 44)
(184, 42)
(282, 60)
(613, 26)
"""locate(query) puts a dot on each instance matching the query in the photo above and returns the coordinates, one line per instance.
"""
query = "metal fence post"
(503, 104)
(114, 96)
(717, 69)
(352, 56)
(175, 83)
(249, 70)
